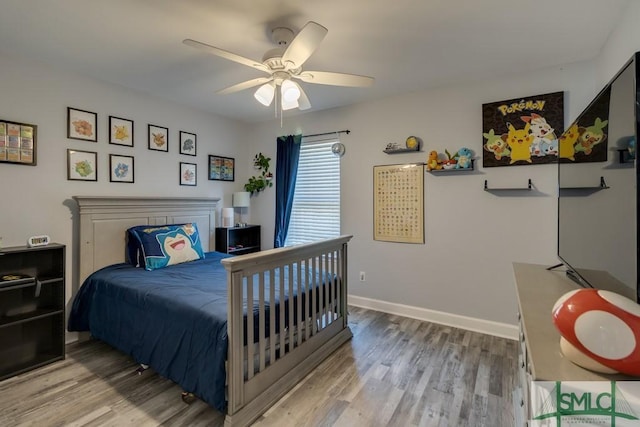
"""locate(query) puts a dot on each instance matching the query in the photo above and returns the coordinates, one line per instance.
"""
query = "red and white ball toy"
(601, 329)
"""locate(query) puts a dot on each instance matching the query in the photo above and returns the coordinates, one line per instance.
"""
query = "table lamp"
(241, 200)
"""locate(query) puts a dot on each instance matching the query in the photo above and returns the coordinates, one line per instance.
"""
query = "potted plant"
(263, 180)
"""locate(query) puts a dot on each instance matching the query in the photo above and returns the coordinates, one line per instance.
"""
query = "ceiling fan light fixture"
(289, 105)
(284, 66)
(290, 92)
(303, 101)
(265, 94)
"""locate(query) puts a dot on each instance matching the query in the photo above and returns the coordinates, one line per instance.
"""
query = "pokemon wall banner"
(522, 131)
(586, 139)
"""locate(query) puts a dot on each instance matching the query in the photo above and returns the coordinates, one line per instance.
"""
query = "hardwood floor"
(395, 372)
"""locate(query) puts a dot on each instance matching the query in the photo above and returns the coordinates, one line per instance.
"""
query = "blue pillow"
(161, 246)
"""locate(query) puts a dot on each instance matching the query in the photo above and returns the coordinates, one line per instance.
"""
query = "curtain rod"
(347, 131)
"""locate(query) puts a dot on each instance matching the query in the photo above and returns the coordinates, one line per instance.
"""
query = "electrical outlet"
(362, 276)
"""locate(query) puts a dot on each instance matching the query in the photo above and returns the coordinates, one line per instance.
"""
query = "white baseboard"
(497, 329)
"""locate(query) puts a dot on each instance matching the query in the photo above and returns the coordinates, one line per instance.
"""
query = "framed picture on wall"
(158, 138)
(522, 131)
(82, 165)
(18, 143)
(120, 131)
(221, 168)
(120, 168)
(188, 174)
(398, 203)
(82, 125)
(187, 143)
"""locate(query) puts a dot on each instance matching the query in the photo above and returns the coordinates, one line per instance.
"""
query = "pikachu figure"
(568, 141)
(519, 141)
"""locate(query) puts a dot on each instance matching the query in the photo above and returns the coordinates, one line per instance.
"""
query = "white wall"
(472, 236)
(37, 200)
(623, 42)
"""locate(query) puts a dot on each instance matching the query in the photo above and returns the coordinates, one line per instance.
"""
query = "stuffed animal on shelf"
(451, 161)
(464, 157)
(631, 148)
(433, 163)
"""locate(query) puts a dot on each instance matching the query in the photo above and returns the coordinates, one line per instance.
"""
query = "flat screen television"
(598, 189)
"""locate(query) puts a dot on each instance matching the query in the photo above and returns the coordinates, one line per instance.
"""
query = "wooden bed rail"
(280, 255)
(298, 301)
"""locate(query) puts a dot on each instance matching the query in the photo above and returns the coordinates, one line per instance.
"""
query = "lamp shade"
(241, 199)
(289, 105)
(264, 94)
(290, 91)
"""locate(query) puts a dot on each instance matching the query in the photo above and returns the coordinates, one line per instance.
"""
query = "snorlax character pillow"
(166, 245)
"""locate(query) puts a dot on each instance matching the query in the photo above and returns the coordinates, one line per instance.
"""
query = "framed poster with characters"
(522, 131)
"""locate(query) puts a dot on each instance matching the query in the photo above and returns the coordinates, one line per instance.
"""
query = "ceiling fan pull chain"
(280, 104)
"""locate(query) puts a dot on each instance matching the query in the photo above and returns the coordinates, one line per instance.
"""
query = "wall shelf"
(625, 156)
(529, 187)
(446, 171)
(402, 150)
(583, 191)
(603, 186)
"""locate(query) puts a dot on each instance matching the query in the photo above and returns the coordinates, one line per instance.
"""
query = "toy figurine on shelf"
(464, 157)
(433, 163)
(451, 161)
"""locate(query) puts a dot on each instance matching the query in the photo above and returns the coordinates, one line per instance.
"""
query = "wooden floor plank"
(395, 372)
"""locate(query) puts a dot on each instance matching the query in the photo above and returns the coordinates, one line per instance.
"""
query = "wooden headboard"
(104, 221)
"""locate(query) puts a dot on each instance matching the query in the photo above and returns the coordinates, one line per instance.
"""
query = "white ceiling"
(406, 45)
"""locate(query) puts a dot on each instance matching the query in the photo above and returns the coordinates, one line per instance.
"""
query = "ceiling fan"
(284, 66)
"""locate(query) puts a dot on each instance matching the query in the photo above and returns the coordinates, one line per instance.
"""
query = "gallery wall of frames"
(18, 145)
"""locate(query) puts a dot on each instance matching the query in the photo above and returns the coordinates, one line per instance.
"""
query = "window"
(316, 202)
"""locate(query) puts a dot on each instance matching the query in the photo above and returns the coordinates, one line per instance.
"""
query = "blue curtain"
(287, 155)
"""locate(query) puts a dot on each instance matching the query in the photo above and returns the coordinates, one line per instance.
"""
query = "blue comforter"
(173, 319)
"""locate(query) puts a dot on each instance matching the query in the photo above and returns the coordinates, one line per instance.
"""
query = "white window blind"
(316, 203)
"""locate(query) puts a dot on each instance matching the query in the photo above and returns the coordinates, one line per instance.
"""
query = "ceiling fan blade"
(335, 79)
(225, 54)
(303, 45)
(303, 101)
(245, 85)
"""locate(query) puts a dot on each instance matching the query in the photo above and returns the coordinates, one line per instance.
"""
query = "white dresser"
(540, 358)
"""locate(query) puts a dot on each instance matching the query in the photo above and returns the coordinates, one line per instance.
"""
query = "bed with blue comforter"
(173, 319)
(185, 315)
